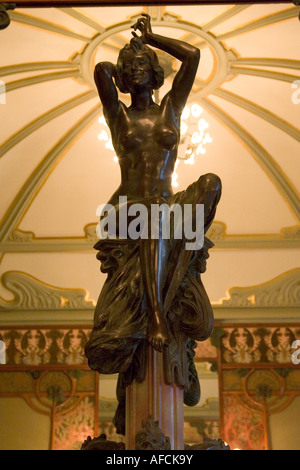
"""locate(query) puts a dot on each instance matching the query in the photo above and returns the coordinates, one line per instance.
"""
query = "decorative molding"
(82, 64)
(74, 73)
(34, 66)
(32, 185)
(224, 16)
(262, 22)
(35, 302)
(20, 241)
(291, 232)
(281, 292)
(282, 63)
(44, 119)
(31, 294)
(258, 111)
(46, 25)
(264, 73)
(265, 160)
(217, 232)
(18, 236)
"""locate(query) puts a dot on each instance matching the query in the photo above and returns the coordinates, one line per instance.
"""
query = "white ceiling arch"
(85, 32)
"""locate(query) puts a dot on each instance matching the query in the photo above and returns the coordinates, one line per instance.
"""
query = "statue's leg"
(153, 256)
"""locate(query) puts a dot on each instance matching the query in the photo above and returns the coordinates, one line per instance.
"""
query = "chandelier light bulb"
(196, 110)
(103, 135)
(102, 120)
(185, 113)
(183, 128)
(202, 125)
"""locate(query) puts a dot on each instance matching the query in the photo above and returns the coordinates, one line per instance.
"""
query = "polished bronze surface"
(153, 293)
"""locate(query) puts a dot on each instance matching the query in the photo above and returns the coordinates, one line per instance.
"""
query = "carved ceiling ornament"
(32, 294)
(282, 291)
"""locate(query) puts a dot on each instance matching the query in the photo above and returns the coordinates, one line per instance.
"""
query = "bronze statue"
(153, 293)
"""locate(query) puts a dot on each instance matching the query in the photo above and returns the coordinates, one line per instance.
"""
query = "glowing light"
(175, 175)
(103, 135)
(196, 110)
(109, 145)
(185, 113)
(202, 125)
(191, 160)
(207, 139)
(102, 120)
(183, 128)
(193, 139)
(200, 149)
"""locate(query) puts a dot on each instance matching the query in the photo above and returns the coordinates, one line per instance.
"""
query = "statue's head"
(138, 65)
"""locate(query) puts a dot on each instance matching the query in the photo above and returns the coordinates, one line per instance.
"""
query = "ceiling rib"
(83, 18)
(27, 193)
(44, 119)
(265, 74)
(265, 21)
(261, 156)
(218, 20)
(33, 67)
(42, 24)
(281, 63)
(224, 16)
(271, 168)
(260, 112)
(41, 79)
(255, 109)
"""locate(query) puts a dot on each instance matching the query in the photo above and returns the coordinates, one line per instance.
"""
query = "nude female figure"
(145, 137)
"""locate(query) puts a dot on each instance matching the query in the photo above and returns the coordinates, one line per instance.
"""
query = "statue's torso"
(146, 143)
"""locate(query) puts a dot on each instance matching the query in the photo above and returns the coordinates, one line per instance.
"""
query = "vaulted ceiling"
(54, 171)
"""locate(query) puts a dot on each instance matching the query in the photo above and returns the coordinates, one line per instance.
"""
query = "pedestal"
(154, 398)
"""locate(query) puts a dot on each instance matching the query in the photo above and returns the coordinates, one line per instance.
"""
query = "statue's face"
(138, 71)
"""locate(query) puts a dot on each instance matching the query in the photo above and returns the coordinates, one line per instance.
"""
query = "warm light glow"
(193, 139)
(175, 175)
(196, 110)
(183, 128)
(109, 145)
(185, 113)
(103, 135)
(102, 120)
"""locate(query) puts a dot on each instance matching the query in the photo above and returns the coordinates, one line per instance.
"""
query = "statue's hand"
(144, 26)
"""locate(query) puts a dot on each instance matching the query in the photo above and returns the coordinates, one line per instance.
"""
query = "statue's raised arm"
(186, 53)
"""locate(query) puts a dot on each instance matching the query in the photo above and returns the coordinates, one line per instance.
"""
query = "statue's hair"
(138, 47)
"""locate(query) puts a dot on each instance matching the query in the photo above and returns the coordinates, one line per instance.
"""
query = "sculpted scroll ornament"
(31, 294)
(282, 291)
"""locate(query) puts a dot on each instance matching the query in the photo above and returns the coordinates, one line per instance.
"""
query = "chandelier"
(194, 137)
